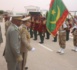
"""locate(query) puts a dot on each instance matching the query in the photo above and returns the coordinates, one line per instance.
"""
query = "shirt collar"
(16, 27)
(24, 26)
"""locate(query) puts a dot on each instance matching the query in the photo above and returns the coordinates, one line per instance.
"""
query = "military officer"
(25, 41)
(12, 48)
(62, 38)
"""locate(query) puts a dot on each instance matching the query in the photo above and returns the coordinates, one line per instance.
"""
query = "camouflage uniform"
(62, 38)
(75, 37)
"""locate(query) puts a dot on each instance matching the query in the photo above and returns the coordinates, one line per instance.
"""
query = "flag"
(56, 16)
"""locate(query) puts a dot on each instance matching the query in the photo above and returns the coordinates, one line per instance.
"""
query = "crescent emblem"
(58, 15)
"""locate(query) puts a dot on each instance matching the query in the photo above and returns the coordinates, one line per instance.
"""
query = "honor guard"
(69, 25)
(25, 41)
(36, 23)
(55, 38)
(31, 27)
(42, 30)
(74, 32)
(47, 33)
(62, 38)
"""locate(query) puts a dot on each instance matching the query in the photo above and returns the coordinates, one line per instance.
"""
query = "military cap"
(26, 18)
(18, 17)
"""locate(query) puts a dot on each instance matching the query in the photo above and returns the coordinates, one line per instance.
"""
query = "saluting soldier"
(12, 48)
(25, 41)
(62, 38)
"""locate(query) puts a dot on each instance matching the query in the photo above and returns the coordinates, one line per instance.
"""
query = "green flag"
(56, 16)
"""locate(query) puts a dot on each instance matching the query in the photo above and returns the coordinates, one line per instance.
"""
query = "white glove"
(33, 49)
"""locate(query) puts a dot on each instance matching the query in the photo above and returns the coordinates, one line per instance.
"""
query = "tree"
(1, 11)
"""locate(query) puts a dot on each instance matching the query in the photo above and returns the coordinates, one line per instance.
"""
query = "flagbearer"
(62, 38)
(55, 38)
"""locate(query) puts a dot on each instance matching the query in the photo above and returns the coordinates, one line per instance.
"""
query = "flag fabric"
(56, 16)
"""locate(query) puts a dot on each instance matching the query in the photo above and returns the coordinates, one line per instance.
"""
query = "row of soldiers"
(17, 42)
(39, 25)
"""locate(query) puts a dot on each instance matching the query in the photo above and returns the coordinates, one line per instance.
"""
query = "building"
(32, 9)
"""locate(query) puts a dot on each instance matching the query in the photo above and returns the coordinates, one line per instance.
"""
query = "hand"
(19, 59)
(33, 49)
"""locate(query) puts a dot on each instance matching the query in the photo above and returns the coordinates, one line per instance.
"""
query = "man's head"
(16, 20)
(6, 17)
(27, 21)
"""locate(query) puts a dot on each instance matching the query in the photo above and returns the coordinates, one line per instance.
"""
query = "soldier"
(69, 25)
(1, 39)
(31, 27)
(12, 47)
(74, 32)
(25, 41)
(7, 23)
(42, 29)
(47, 35)
(62, 38)
(55, 38)
(36, 23)
(1, 18)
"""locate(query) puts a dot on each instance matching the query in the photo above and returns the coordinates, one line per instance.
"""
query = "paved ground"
(45, 56)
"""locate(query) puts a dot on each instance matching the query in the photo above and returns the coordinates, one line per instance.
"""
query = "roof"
(34, 13)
